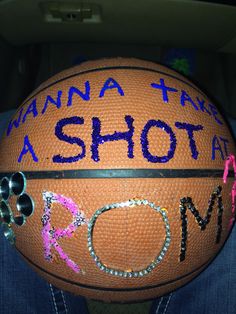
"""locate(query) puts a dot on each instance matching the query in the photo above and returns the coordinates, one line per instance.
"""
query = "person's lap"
(212, 292)
(22, 291)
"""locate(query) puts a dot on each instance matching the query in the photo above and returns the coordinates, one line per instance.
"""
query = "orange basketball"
(112, 180)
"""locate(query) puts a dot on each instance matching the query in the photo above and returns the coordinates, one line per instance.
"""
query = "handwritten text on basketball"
(77, 96)
(218, 143)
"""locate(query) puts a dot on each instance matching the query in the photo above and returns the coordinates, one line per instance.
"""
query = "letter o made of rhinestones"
(124, 273)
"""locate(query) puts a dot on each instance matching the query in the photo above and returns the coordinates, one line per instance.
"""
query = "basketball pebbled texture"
(118, 95)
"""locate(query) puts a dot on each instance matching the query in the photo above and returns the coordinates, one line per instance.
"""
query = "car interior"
(40, 38)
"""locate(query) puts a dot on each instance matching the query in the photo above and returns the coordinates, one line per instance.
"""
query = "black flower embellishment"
(15, 186)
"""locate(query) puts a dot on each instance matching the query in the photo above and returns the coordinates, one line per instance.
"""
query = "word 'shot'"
(219, 143)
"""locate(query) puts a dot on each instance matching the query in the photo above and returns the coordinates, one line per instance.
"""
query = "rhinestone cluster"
(16, 185)
(129, 273)
(187, 203)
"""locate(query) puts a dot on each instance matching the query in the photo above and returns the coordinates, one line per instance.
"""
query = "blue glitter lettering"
(190, 128)
(85, 96)
(215, 113)
(14, 123)
(69, 139)
(145, 143)
(27, 148)
(202, 106)
(49, 99)
(185, 97)
(216, 146)
(225, 142)
(165, 89)
(110, 84)
(98, 139)
(31, 109)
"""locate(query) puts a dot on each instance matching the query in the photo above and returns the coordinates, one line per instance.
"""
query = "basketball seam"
(115, 289)
(107, 69)
(122, 173)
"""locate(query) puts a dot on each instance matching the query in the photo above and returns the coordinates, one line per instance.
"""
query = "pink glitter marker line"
(231, 160)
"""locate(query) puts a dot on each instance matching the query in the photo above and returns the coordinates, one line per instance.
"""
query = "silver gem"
(167, 244)
(162, 252)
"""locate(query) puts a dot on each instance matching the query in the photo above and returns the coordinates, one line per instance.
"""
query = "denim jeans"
(212, 292)
(22, 291)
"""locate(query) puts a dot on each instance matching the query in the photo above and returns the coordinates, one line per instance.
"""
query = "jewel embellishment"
(15, 186)
(129, 273)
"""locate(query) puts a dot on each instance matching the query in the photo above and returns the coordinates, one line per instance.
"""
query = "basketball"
(116, 180)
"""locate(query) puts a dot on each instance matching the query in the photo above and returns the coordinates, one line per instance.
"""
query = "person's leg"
(212, 292)
(22, 291)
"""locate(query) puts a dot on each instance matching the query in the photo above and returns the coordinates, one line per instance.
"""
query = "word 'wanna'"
(70, 97)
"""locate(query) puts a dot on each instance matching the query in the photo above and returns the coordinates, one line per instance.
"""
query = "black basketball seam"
(112, 68)
(115, 289)
(122, 173)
